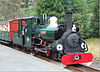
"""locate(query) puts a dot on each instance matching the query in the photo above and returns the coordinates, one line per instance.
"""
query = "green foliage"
(27, 12)
(52, 8)
(84, 17)
(9, 8)
(81, 16)
(26, 3)
(95, 20)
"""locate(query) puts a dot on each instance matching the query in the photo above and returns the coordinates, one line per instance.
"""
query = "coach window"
(37, 22)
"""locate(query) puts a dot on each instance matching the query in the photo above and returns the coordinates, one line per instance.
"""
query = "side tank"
(48, 31)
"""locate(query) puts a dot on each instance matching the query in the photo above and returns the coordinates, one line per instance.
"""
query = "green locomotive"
(42, 35)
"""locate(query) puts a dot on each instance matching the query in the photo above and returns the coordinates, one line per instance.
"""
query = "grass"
(94, 46)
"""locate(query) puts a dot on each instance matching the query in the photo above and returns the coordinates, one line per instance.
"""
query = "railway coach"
(19, 31)
(5, 30)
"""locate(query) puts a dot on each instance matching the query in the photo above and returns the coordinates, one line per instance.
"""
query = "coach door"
(24, 30)
(28, 42)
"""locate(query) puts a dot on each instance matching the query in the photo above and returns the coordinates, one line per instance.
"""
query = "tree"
(81, 16)
(9, 8)
(28, 8)
(95, 20)
(52, 8)
(85, 16)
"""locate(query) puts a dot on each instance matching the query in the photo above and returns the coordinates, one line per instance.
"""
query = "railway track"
(81, 68)
(73, 68)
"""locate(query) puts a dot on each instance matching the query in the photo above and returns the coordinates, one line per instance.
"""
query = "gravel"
(96, 63)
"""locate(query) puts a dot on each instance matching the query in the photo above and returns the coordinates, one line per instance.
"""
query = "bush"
(84, 17)
(52, 8)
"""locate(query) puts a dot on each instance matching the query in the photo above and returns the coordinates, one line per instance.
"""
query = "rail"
(81, 68)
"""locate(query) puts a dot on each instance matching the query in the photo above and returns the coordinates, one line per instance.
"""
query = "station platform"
(13, 60)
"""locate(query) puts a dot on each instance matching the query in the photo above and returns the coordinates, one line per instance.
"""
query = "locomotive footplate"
(76, 58)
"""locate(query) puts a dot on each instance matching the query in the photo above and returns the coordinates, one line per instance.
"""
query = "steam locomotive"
(42, 35)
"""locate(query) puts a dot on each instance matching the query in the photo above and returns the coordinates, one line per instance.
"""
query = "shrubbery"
(85, 16)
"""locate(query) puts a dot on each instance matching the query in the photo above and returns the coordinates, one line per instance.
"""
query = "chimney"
(69, 20)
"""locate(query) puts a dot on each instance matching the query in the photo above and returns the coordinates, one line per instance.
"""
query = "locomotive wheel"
(33, 53)
(24, 49)
(55, 56)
